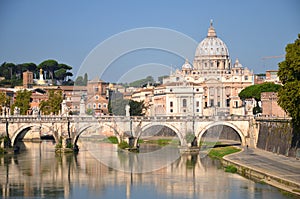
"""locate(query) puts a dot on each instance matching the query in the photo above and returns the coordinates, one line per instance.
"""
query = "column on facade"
(208, 96)
(216, 96)
(223, 105)
(226, 64)
(200, 105)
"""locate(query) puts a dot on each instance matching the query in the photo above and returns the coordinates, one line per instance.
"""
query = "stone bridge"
(16, 127)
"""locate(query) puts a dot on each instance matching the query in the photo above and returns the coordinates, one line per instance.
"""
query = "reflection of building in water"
(40, 173)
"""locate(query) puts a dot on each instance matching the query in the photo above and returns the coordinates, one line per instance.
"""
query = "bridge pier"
(66, 145)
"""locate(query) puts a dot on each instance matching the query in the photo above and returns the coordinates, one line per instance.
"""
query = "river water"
(99, 170)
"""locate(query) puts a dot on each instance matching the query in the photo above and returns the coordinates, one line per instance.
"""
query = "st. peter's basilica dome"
(211, 45)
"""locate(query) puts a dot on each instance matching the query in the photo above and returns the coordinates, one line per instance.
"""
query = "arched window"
(184, 103)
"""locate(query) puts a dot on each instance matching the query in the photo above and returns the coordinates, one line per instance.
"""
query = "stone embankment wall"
(279, 136)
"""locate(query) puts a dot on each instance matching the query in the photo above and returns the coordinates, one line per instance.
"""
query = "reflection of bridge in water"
(38, 172)
(73, 126)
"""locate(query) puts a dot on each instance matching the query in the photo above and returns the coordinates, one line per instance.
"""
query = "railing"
(76, 118)
(272, 118)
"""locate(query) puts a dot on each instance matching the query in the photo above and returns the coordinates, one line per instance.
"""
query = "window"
(246, 77)
(184, 102)
(94, 105)
(228, 102)
(104, 105)
(197, 110)
(171, 110)
(184, 110)
(211, 102)
(205, 104)
(171, 104)
(236, 104)
(99, 105)
(96, 97)
(219, 104)
(197, 104)
(197, 89)
(96, 89)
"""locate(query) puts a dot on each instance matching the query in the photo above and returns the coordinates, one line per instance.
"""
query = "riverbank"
(265, 167)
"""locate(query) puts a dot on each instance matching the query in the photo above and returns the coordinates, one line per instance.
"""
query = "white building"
(213, 72)
(178, 98)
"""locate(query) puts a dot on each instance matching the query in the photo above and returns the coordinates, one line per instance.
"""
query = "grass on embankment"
(219, 153)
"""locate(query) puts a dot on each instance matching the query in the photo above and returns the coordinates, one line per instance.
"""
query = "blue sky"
(67, 31)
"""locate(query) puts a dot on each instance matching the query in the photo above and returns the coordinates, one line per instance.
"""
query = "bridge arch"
(84, 128)
(21, 132)
(222, 123)
(177, 132)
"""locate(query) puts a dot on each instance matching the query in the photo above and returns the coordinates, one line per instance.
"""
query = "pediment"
(212, 81)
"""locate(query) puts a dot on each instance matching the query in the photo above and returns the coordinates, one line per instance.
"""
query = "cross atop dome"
(211, 30)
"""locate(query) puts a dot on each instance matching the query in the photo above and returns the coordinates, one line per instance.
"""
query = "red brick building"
(270, 106)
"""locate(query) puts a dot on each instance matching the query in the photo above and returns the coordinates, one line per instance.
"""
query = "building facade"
(177, 98)
(97, 99)
(269, 105)
(220, 80)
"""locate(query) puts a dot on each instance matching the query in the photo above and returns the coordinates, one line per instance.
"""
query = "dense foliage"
(11, 74)
(55, 71)
(81, 81)
(117, 107)
(255, 91)
(4, 100)
(22, 101)
(289, 75)
(52, 105)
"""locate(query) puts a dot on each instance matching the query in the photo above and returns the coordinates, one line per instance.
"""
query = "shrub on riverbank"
(230, 169)
(123, 145)
(219, 153)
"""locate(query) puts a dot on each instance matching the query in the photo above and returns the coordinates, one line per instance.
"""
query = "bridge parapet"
(74, 118)
(274, 119)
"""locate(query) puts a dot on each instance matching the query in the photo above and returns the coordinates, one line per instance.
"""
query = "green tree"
(50, 66)
(117, 106)
(53, 104)
(136, 108)
(79, 81)
(4, 101)
(22, 101)
(289, 75)
(6, 70)
(255, 91)
(85, 79)
(141, 82)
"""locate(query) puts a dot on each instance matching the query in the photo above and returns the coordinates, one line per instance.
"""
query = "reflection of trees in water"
(57, 175)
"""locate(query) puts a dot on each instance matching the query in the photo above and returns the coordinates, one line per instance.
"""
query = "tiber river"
(99, 170)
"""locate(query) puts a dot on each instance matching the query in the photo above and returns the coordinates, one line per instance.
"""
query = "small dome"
(186, 65)
(211, 45)
(237, 64)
